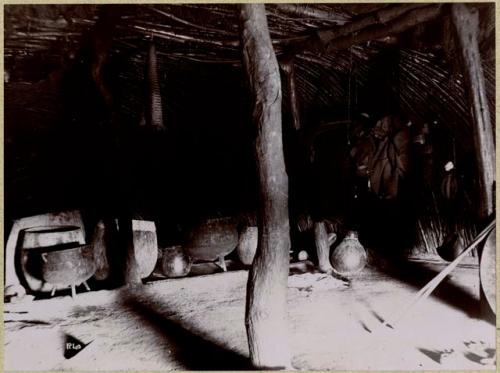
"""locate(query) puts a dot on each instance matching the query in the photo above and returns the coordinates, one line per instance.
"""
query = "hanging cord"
(454, 152)
(349, 100)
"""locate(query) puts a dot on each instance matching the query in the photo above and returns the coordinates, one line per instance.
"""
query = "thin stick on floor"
(431, 285)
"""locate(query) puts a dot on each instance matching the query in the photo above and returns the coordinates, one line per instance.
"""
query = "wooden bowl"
(39, 237)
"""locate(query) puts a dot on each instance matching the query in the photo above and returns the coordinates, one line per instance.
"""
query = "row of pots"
(58, 256)
(210, 241)
(66, 262)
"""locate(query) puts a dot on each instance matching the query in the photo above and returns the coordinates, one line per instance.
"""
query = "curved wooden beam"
(385, 22)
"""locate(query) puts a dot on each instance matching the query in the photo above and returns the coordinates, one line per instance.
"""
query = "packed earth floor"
(197, 323)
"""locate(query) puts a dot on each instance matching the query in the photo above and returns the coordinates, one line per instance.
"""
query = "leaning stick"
(431, 285)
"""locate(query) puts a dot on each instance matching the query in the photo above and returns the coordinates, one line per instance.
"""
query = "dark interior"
(65, 148)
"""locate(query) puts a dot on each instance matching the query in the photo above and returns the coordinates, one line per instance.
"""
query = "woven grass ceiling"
(40, 38)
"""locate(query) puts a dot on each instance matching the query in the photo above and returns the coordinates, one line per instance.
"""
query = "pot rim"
(70, 247)
(52, 229)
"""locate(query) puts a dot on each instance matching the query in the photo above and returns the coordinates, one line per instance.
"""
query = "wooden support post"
(131, 269)
(100, 252)
(466, 22)
(289, 69)
(323, 243)
(266, 322)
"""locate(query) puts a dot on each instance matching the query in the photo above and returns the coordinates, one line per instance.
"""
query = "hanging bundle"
(155, 105)
(383, 157)
(449, 185)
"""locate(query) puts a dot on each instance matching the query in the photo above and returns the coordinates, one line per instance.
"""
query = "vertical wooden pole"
(266, 321)
(466, 22)
(323, 243)
(130, 270)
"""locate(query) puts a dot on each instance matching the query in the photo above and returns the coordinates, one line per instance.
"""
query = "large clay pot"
(247, 244)
(174, 262)
(349, 257)
(35, 239)
(451, 248)
(212, 239)
(68, 266)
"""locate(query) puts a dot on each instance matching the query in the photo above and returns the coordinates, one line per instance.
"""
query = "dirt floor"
(197, 323)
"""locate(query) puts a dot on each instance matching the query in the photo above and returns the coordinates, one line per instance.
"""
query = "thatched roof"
(418, 64)
(62, 150)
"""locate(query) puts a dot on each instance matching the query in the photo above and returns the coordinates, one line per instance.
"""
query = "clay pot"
(247, 244)
(212, 239)
(34, 239)
(174, 262)
(451, 248)
(63, 266)
(349, 257)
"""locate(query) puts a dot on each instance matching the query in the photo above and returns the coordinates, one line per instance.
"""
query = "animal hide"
(383, 157)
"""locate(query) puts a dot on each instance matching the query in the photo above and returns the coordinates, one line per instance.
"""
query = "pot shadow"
(432, 354)
(193, 351)
(479, 352)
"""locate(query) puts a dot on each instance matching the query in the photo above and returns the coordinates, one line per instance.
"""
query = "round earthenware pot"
(349, 257)
(66, 266)
(174, 262)
(212, 239)
(247, 244)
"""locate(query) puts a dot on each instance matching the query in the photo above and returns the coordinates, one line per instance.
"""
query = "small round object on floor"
(302, 255)
(349, 257)
(174, 262)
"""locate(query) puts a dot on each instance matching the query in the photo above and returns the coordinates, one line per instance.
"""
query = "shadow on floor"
(418, 275)
(193, 351)
(432, 354)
